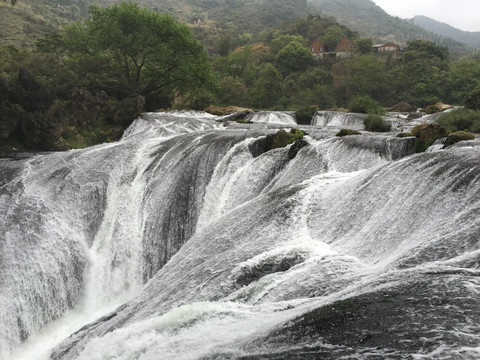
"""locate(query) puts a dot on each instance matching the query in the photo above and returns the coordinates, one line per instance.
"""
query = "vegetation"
(376, 123)
(282, 138)
(125, 51)
(366, 105)
(461, 120)
(426, 134)
(347, 132)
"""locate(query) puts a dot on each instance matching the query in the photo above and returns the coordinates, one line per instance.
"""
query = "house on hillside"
(342, 49)
(386, 48)
(318, 49)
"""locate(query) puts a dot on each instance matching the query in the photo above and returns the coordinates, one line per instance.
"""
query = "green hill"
(372, 21)
(470, 38)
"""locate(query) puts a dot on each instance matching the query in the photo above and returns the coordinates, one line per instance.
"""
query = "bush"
(366, 105)
(461, 119)
(376, 123)
(473, 99)
(346, 132)
(304, 115)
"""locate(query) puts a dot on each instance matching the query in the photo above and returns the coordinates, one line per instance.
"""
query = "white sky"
(462, 14)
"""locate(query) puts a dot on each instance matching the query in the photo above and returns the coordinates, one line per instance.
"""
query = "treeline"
(280, 72)
(84, 84)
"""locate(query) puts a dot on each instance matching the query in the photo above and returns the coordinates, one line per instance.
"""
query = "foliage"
(304, 115)
(293, 58)
(376, 123)
(266, 88)
(426, 134)
(347, 132)
(366, 105)
(473, 99)
(363, 46)
(332, 36)
(126, 50)
(366, 75)
(460, 119)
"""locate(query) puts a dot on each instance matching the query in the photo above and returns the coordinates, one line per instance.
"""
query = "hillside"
(370, 20)
(467, 37)
(24, 22)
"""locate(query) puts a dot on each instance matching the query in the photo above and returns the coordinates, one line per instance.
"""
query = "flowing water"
(185, 241)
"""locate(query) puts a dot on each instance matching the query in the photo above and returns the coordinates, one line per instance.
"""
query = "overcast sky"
(462, 14)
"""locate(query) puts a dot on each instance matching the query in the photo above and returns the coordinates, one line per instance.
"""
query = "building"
(317, 49)
(342, 49)
(386, 48)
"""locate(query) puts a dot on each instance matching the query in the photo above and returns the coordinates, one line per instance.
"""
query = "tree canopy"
(127, 50)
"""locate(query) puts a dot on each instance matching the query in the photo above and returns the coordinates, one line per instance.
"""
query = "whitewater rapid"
(184, 241)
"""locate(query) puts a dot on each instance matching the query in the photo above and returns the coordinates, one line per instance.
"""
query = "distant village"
(345, 46)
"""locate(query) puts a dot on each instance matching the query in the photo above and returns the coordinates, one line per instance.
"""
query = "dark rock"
(295, 148)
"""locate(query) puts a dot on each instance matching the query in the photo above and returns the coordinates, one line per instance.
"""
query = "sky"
(461, 14)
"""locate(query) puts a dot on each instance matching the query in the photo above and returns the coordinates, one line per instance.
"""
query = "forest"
(95, 66)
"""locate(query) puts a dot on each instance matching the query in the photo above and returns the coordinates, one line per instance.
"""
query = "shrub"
(426, 134)
(366, 105)
(461, 119)
(304, 115)
(376, 123)
(346, 132)
(473, 99)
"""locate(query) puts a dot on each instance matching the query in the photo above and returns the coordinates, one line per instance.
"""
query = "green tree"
(127, 51)
(266, 90)
(292, 58)
(280, 42)
(363, 46)
(332, 36)
(365, 75)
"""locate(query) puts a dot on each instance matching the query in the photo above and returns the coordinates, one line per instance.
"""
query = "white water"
(235, 247)
(273, 117)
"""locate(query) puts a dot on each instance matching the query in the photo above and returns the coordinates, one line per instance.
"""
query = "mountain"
(24, 22)
(370, 20)
(467, 37)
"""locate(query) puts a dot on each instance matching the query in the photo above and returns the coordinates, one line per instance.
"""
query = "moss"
(425, 135)
(376, 123)
(282, 138)
(346, 132)
(402, 134)
(458, 136)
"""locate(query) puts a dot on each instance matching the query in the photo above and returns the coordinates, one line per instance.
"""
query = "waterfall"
(273, 117)
(184, 241)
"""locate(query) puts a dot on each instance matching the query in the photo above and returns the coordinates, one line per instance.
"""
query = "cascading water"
(182, 241)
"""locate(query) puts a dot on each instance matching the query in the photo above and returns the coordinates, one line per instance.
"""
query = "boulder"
(426, 134)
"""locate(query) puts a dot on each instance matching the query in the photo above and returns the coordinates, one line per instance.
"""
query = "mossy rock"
(459, 136)
(403, 107)
(347, 132)
(426, 134)
(404, 134)
(278, 140)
